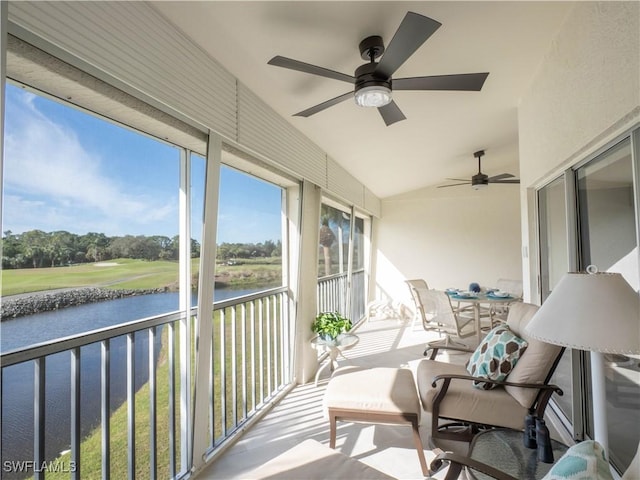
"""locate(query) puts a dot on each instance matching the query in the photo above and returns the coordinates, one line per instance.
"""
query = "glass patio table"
(504, 449)
(335, 348)
(478, 299)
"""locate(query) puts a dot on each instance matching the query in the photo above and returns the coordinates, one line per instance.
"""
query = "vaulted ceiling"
(442, 129)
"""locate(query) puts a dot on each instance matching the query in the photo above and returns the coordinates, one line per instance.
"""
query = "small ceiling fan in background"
(480, 180)
(372, 81)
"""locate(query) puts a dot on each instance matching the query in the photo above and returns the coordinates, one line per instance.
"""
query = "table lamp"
(598, 312)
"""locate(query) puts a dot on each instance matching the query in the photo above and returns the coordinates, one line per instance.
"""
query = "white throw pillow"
(583, 461)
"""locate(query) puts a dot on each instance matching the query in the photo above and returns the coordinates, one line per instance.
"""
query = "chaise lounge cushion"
(380, 390)
(493, 407)
(311, 460)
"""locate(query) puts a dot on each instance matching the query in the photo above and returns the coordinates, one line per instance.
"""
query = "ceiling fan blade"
(500, 177)
(464, 81)
(391, 113)
(411, 34)
(324, 105)
(454, 185)
(291, 64)
(458, 179)
(504, 181)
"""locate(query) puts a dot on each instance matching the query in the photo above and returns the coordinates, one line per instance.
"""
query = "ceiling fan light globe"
(373, 96)
(480, 186)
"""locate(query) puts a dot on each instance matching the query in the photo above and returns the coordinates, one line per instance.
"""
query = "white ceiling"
(442, 129)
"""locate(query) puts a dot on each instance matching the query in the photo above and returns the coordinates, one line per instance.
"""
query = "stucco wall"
(584, 95)
(587, 89)
(450, 237)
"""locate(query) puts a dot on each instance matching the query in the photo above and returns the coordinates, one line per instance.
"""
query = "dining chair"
(437, 313)
(416, 286)
(498, 313)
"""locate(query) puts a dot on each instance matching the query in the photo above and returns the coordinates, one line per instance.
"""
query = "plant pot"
(325, 337)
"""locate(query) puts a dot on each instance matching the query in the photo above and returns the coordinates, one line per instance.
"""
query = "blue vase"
(474, 287)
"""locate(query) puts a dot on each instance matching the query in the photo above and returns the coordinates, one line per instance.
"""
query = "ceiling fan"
(373, 83)
(480, 180)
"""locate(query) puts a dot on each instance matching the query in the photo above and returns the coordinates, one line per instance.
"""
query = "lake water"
(17, 381)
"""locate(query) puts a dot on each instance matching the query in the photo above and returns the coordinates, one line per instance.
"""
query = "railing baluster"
(252, 316)
(131, 406)
(234, 370)
(172, 399)
(243, 315)
(261, 346)
(39, 379)
(268, 324)
(283, 338)
(105, 407)
(153, 455)
(212, 393)
(275, 335)
(75, 411)
(223, 374)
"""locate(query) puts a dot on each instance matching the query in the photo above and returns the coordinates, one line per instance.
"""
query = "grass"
(126, 273)
(119, 274)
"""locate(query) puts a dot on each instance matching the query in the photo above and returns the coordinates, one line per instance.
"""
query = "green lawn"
(133, 274)
(119, 273)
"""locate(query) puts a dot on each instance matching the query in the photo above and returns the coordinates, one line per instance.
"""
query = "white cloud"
(53, 182)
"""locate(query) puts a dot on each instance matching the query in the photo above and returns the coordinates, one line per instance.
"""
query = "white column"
(304, 290)
(206, 282)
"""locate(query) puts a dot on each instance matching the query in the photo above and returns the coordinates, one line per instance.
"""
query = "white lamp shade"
(599, 312)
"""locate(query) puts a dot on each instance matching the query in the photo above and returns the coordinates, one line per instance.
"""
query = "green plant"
(330, 324)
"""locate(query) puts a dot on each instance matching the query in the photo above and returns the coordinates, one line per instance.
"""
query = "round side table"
(335, 348)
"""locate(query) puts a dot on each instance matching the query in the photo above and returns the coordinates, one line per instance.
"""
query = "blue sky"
(67, 170)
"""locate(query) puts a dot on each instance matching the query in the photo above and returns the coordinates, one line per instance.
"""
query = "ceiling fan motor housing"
(365, 77)
(479, 180)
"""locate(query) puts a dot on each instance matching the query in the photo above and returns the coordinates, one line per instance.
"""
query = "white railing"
(122, 340)
(250, 359)
(333, 292)
(249, 364)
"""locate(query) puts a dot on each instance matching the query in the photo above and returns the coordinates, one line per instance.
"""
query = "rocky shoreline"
(20, 305)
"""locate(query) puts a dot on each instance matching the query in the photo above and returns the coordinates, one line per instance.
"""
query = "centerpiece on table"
(329, 325)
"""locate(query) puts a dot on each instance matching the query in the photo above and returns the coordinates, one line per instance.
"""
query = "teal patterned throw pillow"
(496, 356)
(583, 461)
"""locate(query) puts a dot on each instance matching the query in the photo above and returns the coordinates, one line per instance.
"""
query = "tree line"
(39, 249)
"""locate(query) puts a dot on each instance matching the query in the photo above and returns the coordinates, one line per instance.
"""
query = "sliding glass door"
(607, 239)
(589, 216)
(552, 218)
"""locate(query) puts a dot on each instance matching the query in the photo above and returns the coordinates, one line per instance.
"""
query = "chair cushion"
(463, 402)
(496, 356)
(380, 390)
(312, 460)
(534, 366)
(583, 460)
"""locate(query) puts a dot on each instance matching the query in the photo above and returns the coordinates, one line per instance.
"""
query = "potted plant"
(328, 325)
